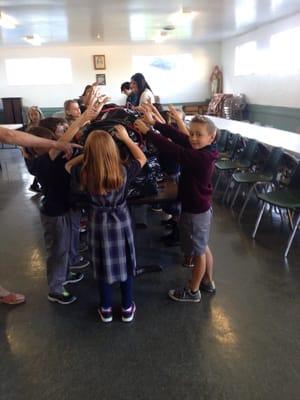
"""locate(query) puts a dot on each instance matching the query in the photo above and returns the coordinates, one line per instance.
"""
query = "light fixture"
(6, 21)
(34, 40)
(183, 16)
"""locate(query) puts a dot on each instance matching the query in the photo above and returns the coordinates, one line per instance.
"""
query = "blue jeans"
(126, 292)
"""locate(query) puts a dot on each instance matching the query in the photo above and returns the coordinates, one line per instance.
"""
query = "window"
(285, 56)
(173, 73)
(38, 71)
(245, 59)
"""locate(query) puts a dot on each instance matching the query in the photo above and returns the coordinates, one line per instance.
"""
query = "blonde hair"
(102, 169)
(29, 114)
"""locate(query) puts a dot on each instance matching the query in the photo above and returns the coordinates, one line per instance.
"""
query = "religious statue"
(216, 81)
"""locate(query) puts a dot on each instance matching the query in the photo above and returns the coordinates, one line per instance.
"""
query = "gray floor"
(242, 343)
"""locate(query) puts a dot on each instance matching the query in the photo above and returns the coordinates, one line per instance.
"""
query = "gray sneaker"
(184, 294)
(208, 287)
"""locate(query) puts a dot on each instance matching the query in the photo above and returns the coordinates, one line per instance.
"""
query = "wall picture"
(99, 61)
(100, 79)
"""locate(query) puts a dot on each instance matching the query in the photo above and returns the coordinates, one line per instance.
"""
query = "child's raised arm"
(73, 162)
(133, 147)
(91, 113)
(177, 117)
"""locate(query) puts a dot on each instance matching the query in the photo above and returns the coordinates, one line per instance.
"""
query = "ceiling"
(88, 22)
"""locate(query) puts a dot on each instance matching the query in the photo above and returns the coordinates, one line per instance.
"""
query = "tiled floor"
(242, 344)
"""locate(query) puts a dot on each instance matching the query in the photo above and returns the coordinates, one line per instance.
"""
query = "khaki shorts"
(194, 232)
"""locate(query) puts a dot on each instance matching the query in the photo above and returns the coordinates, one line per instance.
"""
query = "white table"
(289, 141)
(11, 126)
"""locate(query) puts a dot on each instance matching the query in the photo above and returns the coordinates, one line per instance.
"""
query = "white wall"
(267, 88)
(118, 69)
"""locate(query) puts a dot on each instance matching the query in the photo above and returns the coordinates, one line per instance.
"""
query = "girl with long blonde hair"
(107, 180)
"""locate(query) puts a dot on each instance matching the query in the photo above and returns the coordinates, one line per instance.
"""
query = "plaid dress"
(111, 237)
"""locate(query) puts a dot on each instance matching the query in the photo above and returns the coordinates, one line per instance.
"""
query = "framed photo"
(100, 79)
(99, 61)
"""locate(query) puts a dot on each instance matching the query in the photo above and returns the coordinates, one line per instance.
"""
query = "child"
(55, 212)
(34, 116)
(23, 139)
(131, 97)
(59, 126)
(72, 110)
(111, 240)
(196, 155)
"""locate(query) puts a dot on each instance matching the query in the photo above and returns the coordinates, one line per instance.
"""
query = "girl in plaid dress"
(107, 180)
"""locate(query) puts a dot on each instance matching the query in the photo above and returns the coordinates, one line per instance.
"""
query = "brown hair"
(210, 126)
(41, 132)
(67, 104)
(52, 123)
(102, 169)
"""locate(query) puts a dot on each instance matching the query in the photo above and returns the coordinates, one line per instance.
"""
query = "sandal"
(12, 298)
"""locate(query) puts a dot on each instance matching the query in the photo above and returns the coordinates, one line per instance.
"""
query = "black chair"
(243, 161)
(287, 198)
(253, 180)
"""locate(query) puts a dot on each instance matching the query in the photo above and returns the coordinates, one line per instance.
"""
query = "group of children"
(101, 174)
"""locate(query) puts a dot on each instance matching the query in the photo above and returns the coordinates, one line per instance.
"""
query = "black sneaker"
(62, 298)
(156, 208)
(184, 294)
(81, 263)
(128, 314)
(169, 223)
(209, 287)
(74, 277)
(105, 314)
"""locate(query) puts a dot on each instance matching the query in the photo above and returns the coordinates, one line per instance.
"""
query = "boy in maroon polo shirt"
(196, 154)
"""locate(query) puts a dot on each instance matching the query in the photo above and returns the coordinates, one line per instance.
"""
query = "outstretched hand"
(175, 114)
(121, 133)
(140, 126)
(148, 116)
(96, 104)
(66, 148)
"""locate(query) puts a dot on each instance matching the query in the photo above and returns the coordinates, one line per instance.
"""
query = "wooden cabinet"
(12, 110)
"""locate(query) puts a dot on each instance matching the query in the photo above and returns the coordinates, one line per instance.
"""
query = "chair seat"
(224, 154)
(247, 177)
(282, 198)
(230, 164)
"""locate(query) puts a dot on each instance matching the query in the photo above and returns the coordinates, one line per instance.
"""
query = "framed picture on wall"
(99, 61)
(100, 79)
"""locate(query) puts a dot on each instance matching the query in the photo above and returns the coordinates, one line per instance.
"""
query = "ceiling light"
(6, 21)
(183, 16)
(34, 40)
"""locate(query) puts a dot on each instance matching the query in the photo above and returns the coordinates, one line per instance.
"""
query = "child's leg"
(57, 241)
(105, 294)
(198, 272)
(74, 256)
(127, 292)
(208, 276)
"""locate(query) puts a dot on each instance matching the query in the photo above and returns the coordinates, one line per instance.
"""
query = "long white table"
(289, 141)
(11, 126)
